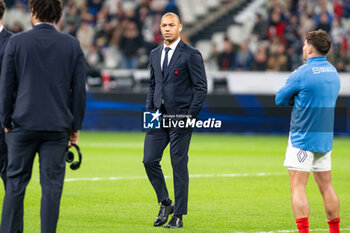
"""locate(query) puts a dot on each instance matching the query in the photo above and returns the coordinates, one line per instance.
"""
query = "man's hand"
(291, 101)
(73, 138)
(6, 130)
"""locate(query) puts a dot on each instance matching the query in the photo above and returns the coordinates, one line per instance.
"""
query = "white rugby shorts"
(302, 160)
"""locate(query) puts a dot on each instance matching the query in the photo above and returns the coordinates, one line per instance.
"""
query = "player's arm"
(199, 83)
(285, 96)
(78, 91)
(7, 86)
(152, 84)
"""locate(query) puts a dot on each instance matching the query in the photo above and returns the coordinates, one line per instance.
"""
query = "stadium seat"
(204, 46)
(218, 39)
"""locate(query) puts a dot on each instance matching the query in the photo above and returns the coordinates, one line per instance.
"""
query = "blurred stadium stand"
(249, 48)
(250, 35)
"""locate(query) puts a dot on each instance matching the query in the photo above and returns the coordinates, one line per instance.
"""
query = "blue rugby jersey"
(314, 87)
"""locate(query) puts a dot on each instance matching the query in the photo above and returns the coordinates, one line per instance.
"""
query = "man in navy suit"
(42, 104)
(178, 85)
(4, 38)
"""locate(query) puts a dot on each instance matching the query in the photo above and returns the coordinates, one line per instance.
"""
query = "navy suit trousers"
(3, 156)
(22, 147)
(156, 141)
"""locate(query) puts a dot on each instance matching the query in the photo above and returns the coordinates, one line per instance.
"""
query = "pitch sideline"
(191, 176)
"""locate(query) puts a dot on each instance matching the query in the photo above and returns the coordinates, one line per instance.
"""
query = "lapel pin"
(176, 72)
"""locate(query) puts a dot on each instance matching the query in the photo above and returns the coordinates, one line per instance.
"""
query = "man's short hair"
(320, 40)
(48, 11)
(172, 14)
(2, 8)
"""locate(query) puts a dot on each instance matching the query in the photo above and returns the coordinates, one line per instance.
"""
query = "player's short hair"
(320, 40)
(2, 8)
(48, 11)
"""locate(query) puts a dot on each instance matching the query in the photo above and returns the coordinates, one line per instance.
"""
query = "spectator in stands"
(141, 13)
(294, 56)
(278, 60)
(324, 23)
(260, 27)
(104, 35)
(274, 43)
(85, 35)
(10, 3)
(292, 30)
(346, 45)
(281, 57)
(272, 63)
(274, 4)
(94, 57)
(94, 62)
(72, 18)
(147, 29)
(157, 13)
(337, 33)
(307, 22)
(130, 43)
(16, 27)
(276, 26)
(323, 6)
(172, 7)
(243, 58)
(346, 8)
(86, 15)
(260, 59)
(95, 6)
(293, 42)
(226, 58)
(338, 8)
(70, 29)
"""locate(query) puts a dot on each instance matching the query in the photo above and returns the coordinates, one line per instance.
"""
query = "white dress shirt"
(43, 23)
(2, 27)
(170, 53)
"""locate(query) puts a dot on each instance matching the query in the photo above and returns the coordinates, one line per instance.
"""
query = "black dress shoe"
(163, 214)
(175, 222)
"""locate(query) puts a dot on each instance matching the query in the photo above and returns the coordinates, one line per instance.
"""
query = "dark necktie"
(165, 62)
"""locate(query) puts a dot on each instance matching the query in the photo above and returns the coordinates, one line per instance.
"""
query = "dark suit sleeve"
(152, 84)
(7, 85)
(78, 91)
(199, 83)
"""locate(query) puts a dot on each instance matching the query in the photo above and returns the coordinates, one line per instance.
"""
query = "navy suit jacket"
(184, 87)
(4, 38)
(42, 86)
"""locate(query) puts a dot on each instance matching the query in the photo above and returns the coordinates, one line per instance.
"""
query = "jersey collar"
(320, 58)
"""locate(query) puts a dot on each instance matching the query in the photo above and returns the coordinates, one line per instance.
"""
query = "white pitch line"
(191, 176)
(111, 145)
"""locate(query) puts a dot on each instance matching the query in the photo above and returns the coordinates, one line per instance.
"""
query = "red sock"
(334, 225)
(303, 225)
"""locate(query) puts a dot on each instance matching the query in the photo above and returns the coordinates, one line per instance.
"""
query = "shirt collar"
(320, 58)
(1, 28)
(42, 23)
(173, 45)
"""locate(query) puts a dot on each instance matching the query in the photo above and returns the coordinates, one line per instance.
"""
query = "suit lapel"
(158, 59)
(176, 55)
(3, 33)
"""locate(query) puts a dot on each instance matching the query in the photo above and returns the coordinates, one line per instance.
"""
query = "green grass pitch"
(246, 201)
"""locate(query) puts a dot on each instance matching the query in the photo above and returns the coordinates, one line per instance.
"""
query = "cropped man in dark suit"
(42, 104)
(178, 85)
(4, 38)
